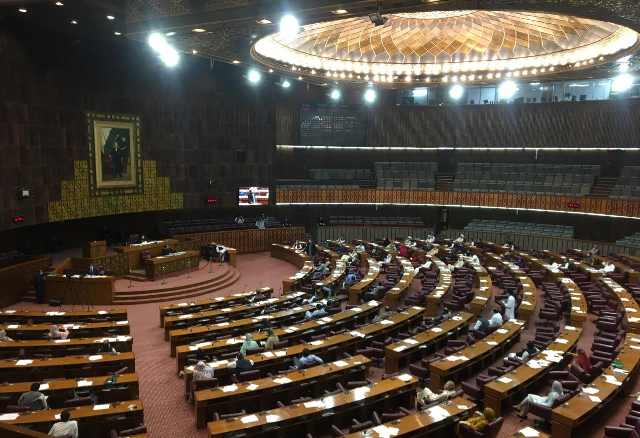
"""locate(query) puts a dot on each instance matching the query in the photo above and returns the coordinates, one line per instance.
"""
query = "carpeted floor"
(169, 415)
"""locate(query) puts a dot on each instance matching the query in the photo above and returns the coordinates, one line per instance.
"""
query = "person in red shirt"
(403, 250)
(415, 258)
(583, 360)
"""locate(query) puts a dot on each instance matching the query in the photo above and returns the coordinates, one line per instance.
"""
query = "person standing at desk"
(91, 270)
(510, 306)
(311, 249)
(38, 285)
(166, 250)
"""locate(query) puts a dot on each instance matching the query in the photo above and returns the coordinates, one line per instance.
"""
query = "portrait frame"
(115, 162)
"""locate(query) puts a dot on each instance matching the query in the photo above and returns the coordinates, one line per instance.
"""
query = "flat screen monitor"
(253, 195)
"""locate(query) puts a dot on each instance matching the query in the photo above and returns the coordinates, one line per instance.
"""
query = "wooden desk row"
(329, 349)
(406, 351)
(396, 294)
(537, 264)
(631, 275)
(134, 251)
(65, 367)
(503, 391)
(211, 304)
(297, 258)
(93, 329)
(384, 251)
(318, 415)
(60, 317)
(436, 297)
(372, 275)
(262, 394)
(294, 334)
(364, 255)
(337, 273)
(64, 347)
(474, 356)
(632, 309)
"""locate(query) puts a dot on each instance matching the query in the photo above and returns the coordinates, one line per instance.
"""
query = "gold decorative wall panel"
(76, 202)
(605, 206)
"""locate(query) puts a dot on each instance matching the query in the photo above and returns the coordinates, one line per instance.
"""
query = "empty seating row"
(633, 240)
(573, 169)
(627, 185)
(538, 178)
(511, 187)
(405, 166)
(520, 228)
(625, 192)
(406, 184)
(376, 221)
(340, 174)
(171, 228)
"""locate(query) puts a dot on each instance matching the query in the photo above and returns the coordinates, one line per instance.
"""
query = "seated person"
(272, 340)
(65, 427)
(349, 281)
(388, 313)
(403, 250)
(341, 240)
(202, 356)
(496, 318)
(299, 245)
(285, 222)
(325, 244)
(431, 238)
(528, 351)
(472, 257)
(433, 251)
(510, 245)
(368, 295)
(523, 406)
(607, 267)
(265, 324)
(427, 396)
(248, 344)
(106, 347)
(360, 247)
(446, 314)
(241, 364)
(306, 359)
(478, 422)
(221, 250)
(482, 324)
(91, 270)
(391, 246)
(317, 296)
(457, 265)
(264, 218)
(323, 268)
(583, 361)
(459, 239)
(33, 398)
(479, 244)
(409, 241)
(260, 224)
(387, 259)
(328, 290)
(321, 222)
(375, 251)
(239, 220)
(166, 250)
(4, 337)
(386, 242)
(56, 333)
(594, 250)
(415, 258)
(202, 372)
(319, 310)
(588, 260)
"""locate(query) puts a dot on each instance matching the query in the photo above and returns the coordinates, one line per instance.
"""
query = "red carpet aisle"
(166, 412)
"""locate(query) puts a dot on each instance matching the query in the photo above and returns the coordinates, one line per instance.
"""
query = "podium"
(97, 248)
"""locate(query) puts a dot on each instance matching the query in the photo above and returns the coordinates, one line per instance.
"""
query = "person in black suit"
(91, 270)
(311, 249)
(38, 285)
(168, 250)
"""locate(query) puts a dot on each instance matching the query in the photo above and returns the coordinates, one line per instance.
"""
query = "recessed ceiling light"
(59, 4)
(270, 70)
(194, 51)
(110, 17)
(339, 11)
(74, 22)
(264, 21)
(117, 33)
(171, 33)
(23, 10)
(299, 78)
(235, 61)
(198, 30)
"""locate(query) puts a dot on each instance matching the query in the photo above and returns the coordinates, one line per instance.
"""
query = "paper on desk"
(400, 348)
(280, 353)
(356, 333)
(316, 343)
(569, 327)
(410, 341)
(386, 321)
(252, 387)
(272, 418)
(229, 388)
(436, 329)
(57, 416)
(102, 312)
(121, 322)
(612, 380)
(249, 419)
(24, 362)
(101, 407)
(356, 309)
(95, 357)
(595, 398)
(282, 380)
(438, 413)
(405, 377)
(185, 316)
(82, 383)
(493, 343)
(62, 341)
(504, 379)
(502, 331)
(385, 431)
(529, 432)
(8, 417)
(464, 407)
(222, 324)
(562, 341)
(13, 326)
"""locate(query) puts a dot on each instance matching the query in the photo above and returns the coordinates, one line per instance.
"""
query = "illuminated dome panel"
(436, 45)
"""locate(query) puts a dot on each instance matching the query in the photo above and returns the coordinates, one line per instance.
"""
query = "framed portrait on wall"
(115, 165)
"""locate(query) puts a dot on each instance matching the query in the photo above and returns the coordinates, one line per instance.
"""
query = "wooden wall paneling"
(18, 279)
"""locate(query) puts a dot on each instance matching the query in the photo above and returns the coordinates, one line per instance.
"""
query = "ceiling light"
(507, 89)
(339, 11)
(194, 51)
(456, 92)
(622, 83)
(335, 94)
(270, 70)
(74, 22)
(235, 61)
(59, 4)
(370, 95)
(23, 10)
(299, 78)
(419, 92)
(264, 21)
(170, 33)
(117, 33)
(169, 56)
(198, 30)
(289, 26)
(285, 83)
(157, 42)
(110, 17)
(254, 76)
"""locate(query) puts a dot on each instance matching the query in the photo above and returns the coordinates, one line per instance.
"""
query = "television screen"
(253, 195)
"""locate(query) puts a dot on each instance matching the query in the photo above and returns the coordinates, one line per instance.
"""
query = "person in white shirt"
(239, 220)
(426, 265)
(594, 250)
(341, 240)
(387, 259)
(608, 267)
(409, 241)
(510, 306)
(431, 238)
(64, 426)
(260, 224)
(458, 264)
(360, 247)
(496, 318)
(460, 238)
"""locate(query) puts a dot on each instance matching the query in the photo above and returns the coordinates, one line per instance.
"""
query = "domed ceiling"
(465, 45)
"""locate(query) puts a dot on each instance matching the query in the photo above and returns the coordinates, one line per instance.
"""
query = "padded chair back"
(281, 344)
(16, 408)
(82, 401)
(248, 375)
(204, 384)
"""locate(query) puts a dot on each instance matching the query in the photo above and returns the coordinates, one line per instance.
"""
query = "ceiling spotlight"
(117, 33)
(157, 42)
(74, 22)
(198, 30)
(370, 95)
(289, 26)
(110, 17)
(235, 61)
(335, 94)
(299, 78)
(23, 10)
(339, 11)
(169, 56)
(254, 76)
(377, 18)
(507, 89)
(194, 51)
(622, 83)
(59, 4)
(270, 70)
(456, 92)
(170, 33)
(285, 83)
(264, 21)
